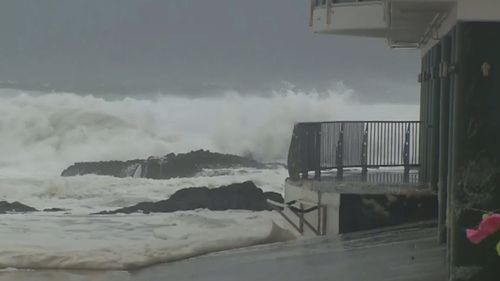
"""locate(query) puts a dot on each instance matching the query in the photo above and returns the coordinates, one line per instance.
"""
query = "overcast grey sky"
(191, 47)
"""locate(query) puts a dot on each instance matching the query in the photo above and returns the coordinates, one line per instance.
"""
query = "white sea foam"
(129, 241)
(76, 240)
(89, 194)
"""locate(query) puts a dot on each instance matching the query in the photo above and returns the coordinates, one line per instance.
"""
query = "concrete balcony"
(350, 176)
(360, 18)
(403, 23)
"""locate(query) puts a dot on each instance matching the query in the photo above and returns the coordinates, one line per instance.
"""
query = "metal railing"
(347, 144)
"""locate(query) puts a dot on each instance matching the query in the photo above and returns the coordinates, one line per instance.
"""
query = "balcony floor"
(376, 181)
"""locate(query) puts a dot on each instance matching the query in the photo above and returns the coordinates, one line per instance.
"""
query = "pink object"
(489, 225)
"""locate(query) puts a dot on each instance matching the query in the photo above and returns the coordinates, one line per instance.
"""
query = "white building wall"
(465, 10)
(444, 28)
(363, 19)
(478, 10)
(331, 200)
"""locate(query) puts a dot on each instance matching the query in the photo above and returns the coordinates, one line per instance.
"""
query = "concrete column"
(475, 164)
(423, 118)
(435, 96)
(443, 136)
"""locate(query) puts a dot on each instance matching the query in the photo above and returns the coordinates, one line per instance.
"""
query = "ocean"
(43, 133)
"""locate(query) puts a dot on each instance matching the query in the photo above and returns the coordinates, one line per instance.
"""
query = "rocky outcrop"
(238, 196)
(119, 169)
(53, 210)
(15, 207)
(169, 166)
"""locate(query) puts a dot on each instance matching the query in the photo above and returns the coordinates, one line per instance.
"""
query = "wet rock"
(238, 196)
(166, 167)
(105, 168)
(15, 207)
(55, 210)
(273, 196)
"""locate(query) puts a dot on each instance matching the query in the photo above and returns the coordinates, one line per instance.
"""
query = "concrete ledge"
(357, 205)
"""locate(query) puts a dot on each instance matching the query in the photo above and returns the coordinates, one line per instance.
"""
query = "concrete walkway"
(403, 254)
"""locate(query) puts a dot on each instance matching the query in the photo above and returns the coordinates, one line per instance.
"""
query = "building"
(451, 156)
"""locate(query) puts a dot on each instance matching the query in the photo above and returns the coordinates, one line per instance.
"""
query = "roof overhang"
(404, 23)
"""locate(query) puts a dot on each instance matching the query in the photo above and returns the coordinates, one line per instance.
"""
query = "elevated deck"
(358, 201)
(355, 175)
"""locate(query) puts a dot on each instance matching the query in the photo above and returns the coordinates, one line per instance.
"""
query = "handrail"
(311, 12)
(328, 12)
(317, 146)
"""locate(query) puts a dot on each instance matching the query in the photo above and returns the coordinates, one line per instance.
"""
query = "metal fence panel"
(329, 145)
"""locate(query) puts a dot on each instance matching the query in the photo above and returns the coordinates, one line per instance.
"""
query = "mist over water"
(44, 133)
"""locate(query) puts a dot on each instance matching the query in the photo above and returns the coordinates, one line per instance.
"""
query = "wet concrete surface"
(376, 181)
(407, 253)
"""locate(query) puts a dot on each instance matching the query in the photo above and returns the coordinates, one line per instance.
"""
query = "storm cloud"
(191, 47)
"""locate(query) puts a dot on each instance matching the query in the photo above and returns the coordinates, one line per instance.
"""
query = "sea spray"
(44, 133)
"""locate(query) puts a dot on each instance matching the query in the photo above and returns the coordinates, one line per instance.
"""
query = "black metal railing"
(347, 144)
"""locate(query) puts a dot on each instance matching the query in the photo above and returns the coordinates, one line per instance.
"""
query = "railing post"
(311, 12)
(364, 154)
(305, 143)
(317, 151)
(328, 11)
(340, 152)
(324, 220)
(319, 211)
(301, 219)
(406, 154)
(294, 161)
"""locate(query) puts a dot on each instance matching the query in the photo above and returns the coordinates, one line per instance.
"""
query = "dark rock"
(119, 169)
(273, 196)
(55, 210)
(169, 166)
(16, 207)
(242, 196)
